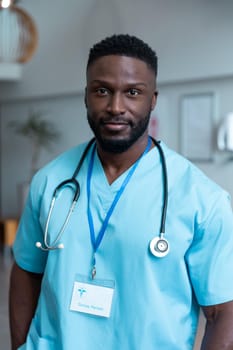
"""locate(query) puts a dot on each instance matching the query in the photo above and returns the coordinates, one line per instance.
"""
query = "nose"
(116, 105)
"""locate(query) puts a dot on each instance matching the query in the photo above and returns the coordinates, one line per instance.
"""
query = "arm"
(23, 297)
(219, 327)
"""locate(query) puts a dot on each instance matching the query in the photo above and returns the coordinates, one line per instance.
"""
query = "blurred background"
(44, 90)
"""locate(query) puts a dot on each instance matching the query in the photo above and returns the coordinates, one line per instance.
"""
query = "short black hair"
(124, 45)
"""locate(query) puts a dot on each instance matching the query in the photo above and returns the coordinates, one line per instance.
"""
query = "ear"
(154, 100)
(85, 97)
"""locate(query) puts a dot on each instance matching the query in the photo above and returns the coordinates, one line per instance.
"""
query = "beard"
(115, 144)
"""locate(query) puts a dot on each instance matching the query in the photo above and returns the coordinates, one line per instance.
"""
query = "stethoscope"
(158, 246)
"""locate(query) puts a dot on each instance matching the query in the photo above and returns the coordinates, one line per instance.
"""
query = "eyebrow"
(99, 81)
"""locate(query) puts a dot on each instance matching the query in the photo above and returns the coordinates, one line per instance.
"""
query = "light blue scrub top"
(155, 302)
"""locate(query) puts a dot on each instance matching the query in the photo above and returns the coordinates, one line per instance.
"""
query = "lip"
(115, 121)
(115, 126)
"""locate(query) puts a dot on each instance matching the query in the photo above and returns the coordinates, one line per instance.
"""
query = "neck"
(115, 164)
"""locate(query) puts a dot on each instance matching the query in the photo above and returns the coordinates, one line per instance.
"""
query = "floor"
(5, 267)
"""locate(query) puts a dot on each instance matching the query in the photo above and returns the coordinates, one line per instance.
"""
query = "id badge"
(92, 297)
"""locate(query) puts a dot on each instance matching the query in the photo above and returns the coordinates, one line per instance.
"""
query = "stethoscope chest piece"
(159, 247)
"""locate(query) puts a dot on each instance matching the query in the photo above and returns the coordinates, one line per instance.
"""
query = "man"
(110, 287)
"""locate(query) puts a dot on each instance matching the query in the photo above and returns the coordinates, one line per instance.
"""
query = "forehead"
(119, 67)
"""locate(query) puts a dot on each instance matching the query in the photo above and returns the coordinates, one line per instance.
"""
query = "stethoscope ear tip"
(38, 244)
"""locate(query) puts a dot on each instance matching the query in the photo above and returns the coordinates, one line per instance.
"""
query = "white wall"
(69, 117)
(193, 39)
(221, 168)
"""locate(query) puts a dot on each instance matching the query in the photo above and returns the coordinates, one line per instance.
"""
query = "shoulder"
(65, 161)
(60, 168)
(181, 170)
(192, 187)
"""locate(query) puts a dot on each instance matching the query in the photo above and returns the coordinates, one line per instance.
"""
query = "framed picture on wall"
(197, 126)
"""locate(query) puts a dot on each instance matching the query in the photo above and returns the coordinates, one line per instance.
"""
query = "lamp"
(18, 39)
(225, 133)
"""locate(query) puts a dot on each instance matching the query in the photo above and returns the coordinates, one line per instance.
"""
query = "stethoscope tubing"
(165, 188)
(73, 183)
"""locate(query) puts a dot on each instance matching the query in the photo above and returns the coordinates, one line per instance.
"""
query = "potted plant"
(41, 133)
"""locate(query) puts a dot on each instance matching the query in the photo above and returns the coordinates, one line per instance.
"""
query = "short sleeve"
(210, 257)
(26, 254)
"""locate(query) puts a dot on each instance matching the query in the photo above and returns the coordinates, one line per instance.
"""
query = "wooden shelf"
(8, 228)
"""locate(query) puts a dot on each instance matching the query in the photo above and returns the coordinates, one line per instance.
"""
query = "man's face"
(120, 95)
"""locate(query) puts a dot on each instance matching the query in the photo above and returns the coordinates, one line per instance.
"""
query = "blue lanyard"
(96, 241)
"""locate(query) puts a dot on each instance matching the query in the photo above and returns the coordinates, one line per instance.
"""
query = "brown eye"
(102, 91)
(133, 92)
